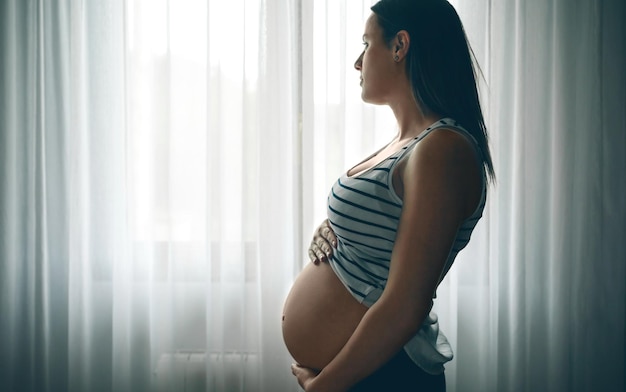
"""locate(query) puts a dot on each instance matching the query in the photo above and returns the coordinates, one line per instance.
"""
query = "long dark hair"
(439, 62)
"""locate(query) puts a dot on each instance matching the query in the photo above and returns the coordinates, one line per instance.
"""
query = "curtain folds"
(164, 163)
(560, 149)
(141, 205)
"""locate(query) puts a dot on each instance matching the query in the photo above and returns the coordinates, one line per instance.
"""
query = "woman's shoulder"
(444, 158)
(442, 147)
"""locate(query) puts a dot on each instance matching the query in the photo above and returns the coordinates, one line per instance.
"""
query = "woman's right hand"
(323, 243)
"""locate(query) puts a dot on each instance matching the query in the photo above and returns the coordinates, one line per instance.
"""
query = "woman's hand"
(304, 375)
(324, 240)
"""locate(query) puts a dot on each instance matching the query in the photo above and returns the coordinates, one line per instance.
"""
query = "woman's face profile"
(375, 63)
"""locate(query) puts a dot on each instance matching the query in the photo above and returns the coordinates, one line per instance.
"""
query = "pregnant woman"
(358, 316)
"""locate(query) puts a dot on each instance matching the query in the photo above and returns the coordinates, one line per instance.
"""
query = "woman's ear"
(401, 45)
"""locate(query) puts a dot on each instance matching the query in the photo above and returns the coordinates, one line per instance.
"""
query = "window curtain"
(540, 296)
(164, 163)
(149, 194)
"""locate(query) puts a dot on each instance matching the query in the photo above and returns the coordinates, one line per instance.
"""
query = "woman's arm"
(440, 180)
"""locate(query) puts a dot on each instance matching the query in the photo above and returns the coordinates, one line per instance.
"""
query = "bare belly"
(319, 316)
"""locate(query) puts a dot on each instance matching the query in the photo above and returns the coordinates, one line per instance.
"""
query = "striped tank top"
(364, 213)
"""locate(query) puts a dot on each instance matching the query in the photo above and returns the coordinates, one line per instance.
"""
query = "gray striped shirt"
(364, 213)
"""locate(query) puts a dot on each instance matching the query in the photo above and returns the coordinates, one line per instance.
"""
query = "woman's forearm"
(384, 330)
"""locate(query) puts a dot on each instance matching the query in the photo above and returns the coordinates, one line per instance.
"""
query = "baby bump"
(319, 316)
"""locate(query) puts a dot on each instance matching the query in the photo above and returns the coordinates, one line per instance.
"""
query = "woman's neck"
(411, 119)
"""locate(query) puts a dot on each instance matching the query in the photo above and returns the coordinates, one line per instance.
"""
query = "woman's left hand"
(304, 375)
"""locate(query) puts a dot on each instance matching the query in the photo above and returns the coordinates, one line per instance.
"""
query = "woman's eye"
(365, 44)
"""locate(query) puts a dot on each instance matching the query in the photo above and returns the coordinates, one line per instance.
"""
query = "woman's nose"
(358, 62)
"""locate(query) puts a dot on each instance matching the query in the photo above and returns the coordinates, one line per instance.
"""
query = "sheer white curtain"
(541, 295)
(558, 258)
(149, 194)
(163, 164)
